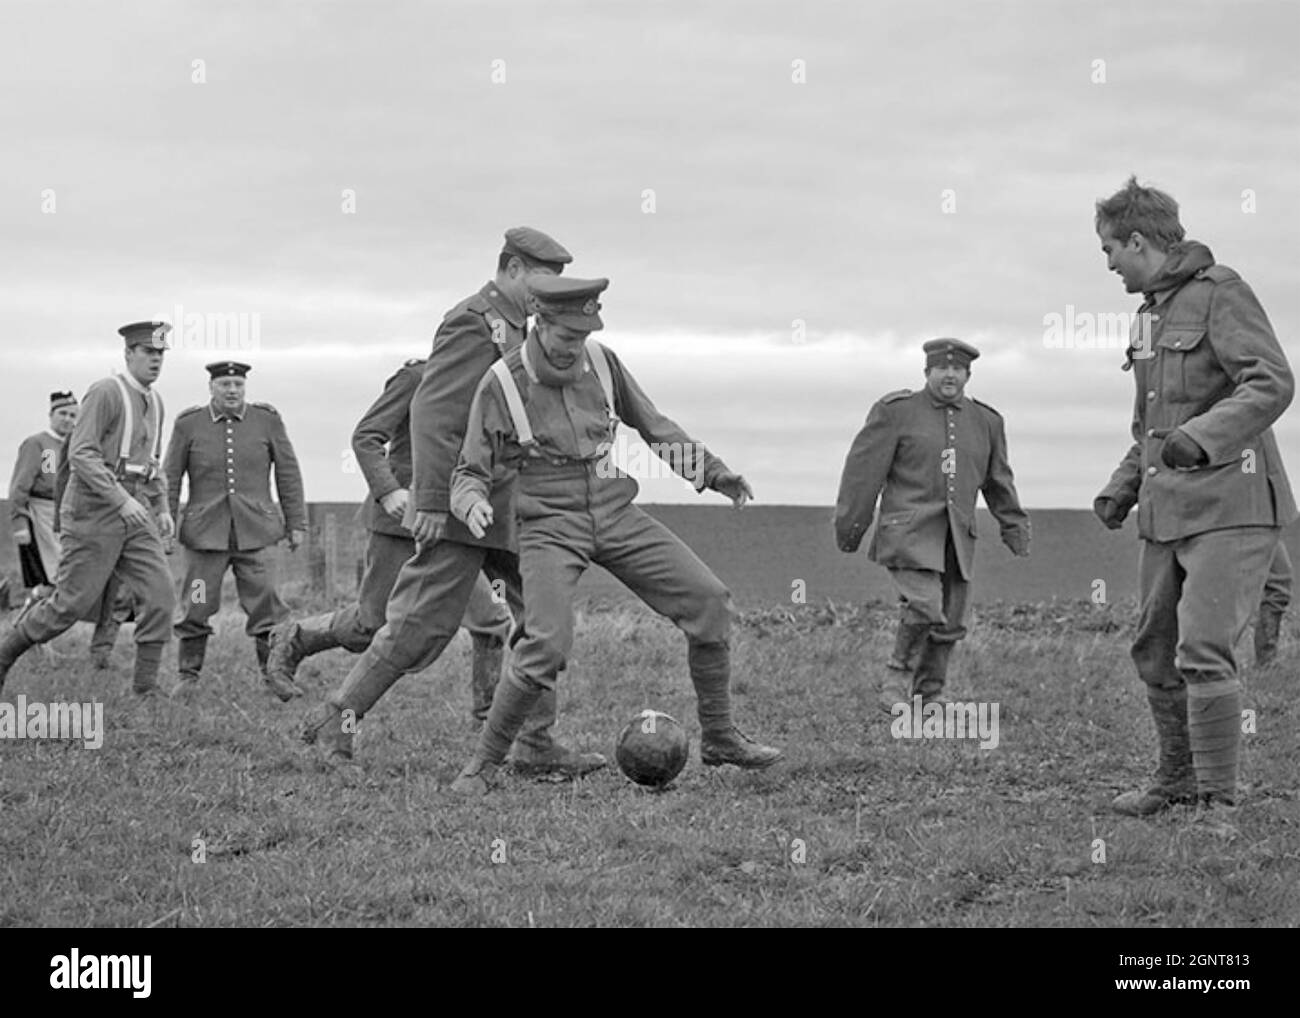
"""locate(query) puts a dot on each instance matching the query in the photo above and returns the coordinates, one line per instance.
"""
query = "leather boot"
(327, 728)
(12, 647)
(284, 691)
(485, 670)
(897, 685)
(1174, 783)
(511, 705)
(148, 657)
(289, 643)
(721, 742)
(1267, 629)
(932, 670)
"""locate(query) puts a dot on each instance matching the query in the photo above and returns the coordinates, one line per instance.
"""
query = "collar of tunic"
(212, 411)
(509, 310)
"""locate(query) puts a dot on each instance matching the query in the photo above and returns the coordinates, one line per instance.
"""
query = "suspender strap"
(514, 403)
(128, 421)
(600, 364)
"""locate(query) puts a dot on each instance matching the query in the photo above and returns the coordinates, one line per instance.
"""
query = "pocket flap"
(1180, 340)
(897, 519)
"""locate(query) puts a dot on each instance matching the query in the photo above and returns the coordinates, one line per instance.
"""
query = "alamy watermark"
(1084, 330)
(23, 720)
(651, 461)
(212, 330)
(920, 720)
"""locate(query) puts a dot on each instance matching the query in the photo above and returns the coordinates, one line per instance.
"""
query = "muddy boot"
(512, 704)
(932, 670)
(330, 726)
(12, 647)
(1174, 783)
(721, 742)
(289, 643)
(1267, 630)
(284, 691)
(148, 658)
(485, 670)
(897, 685)
(330, 730)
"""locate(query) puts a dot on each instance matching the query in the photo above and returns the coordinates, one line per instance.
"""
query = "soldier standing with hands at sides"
(381, 443)
(435, 584)
(548, 409)
(1209, 486)
(114, 471)
(927, 455)
(229, 448)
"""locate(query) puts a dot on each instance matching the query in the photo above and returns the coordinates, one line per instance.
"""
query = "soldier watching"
(229, 449)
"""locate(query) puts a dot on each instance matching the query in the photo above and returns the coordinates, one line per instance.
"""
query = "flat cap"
(150, 334)
(570, 302)
(62, 399)
(227, 369)
(534, 244)
(948, 351)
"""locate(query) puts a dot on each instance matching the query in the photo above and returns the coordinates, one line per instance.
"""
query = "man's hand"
(1107, 510)
(1181, 452)
(395, 502)
(133, 512)
(296, 539)
(479, 517)
(734, 487)
(428, 527)
(23, 537)
(166, 525)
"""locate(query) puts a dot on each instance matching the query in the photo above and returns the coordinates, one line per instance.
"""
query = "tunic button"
(1151, 394)
(1151, 470)
(1151, 432)
(1178, 342)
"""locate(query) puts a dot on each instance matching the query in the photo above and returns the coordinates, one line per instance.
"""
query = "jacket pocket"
(897, 519)
(1176, 347)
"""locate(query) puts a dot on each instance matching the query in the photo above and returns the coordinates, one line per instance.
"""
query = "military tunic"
(381, 443)
(575, 508)
(927, 460)
(97, 543)
(230, 517)
(1214, 370)
(31, 502)
(435, 585)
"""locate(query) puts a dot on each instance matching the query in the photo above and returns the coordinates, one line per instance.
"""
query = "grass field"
(856, 828)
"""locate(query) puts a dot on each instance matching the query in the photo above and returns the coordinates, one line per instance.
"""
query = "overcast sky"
(788, 198)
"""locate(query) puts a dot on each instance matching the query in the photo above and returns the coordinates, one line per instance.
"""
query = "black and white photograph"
(620, 465)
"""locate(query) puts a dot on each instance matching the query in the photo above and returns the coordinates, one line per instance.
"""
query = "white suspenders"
(128, 428)
(515, 403)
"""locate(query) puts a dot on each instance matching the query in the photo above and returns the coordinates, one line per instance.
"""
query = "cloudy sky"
(789, 198)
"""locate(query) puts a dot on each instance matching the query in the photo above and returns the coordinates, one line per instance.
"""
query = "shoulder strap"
(514, 403)
(600, 364)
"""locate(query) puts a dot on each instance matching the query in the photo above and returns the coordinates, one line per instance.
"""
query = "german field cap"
(942, 352)
(569, 302)
(227, 369)
(150, 334)
(62, 399)
(534, 244)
